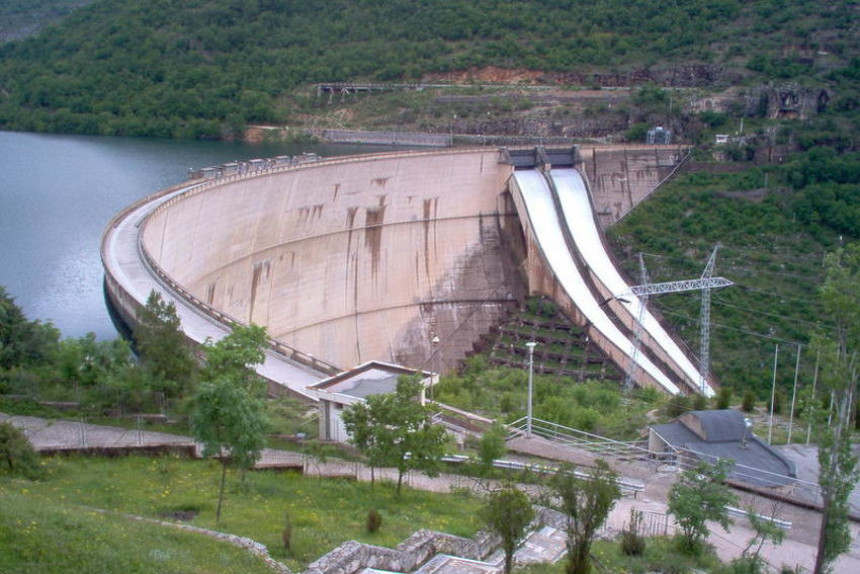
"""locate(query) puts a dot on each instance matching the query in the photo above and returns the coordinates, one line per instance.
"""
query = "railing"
(275, 345)
(635, 450)
(627, 485)
(798, 491)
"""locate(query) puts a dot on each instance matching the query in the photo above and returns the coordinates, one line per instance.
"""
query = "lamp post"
(531, 346)
(435, 341)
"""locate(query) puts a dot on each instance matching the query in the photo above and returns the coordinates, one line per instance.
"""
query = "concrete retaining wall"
(356, 259)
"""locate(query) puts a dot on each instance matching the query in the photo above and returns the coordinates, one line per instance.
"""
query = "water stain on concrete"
(259, 275)
(375, 218)
(431, 208)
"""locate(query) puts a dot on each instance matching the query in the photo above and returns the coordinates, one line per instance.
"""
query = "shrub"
(632, 542)
(778, 401)
(748, 404)
(723, 400)
(374, 521)
(17, 455)
(677, 405)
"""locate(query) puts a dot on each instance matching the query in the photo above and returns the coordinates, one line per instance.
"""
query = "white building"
(354, 385)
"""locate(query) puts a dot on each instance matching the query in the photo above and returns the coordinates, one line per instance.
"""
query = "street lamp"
(531, 346)
(435, 341)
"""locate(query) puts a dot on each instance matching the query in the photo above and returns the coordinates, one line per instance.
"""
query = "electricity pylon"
(705, 284)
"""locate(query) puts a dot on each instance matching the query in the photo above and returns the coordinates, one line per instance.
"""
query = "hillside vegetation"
(22, 18)
(206, 68)
(774, 225)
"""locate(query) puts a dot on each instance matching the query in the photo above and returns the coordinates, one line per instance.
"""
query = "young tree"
(586, 502)
(765, 528)
(164, 350)
(700, 495)
(508, 513)
(838, 350)
(491, 447)
(229, 413)
(237, 354)
(394, 429)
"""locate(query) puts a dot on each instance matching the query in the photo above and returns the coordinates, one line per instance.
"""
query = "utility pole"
(705, 324)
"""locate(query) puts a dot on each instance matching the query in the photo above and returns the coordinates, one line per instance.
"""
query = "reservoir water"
(57, 193)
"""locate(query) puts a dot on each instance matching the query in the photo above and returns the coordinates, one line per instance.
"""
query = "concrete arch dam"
(375, 257)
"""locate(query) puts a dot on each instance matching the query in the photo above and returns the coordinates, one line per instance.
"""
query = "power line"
(762, 313)
(738, 329)
(775, 294)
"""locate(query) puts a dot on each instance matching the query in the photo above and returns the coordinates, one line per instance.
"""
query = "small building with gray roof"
(355, 385)
(724, 434)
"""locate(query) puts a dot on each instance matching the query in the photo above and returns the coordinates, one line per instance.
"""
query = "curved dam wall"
(354, 259)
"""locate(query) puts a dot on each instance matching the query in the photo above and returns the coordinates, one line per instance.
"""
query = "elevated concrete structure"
(358, 259)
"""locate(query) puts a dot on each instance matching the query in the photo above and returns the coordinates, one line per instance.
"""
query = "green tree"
(838, 472)
(17, 455)
(491, 447)
(164, 350)
(237, 354)
(101, 373)
(587, 502)
(765, 528)
(700, 495)
(508, 513)
(229, 412)
(23, 343)
(394, 429)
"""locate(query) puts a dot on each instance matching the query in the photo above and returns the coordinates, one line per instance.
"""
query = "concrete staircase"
(544, 544)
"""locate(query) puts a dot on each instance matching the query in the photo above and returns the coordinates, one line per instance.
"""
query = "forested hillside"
(22, 18)
(200, 68)
(774, 225)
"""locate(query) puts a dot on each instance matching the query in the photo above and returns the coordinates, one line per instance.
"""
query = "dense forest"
(22, 18)
(205, 68)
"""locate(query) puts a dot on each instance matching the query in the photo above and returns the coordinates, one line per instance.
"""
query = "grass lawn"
(40, 518)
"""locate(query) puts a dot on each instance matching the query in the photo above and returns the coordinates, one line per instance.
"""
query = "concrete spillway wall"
(620, 177)
(353, 260)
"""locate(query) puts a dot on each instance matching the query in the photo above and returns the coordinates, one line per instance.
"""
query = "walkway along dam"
(353, 259)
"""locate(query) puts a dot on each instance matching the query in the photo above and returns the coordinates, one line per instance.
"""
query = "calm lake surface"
(57, 194)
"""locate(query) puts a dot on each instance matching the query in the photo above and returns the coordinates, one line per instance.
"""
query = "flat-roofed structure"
(355, 385)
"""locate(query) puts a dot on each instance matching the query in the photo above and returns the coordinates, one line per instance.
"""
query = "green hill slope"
(196, 68)
(775, 225)
(22, 18)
